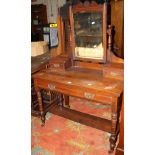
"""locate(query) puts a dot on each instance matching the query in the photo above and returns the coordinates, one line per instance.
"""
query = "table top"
(83, 79)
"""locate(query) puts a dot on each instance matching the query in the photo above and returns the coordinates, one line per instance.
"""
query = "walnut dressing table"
(86, 68)
(83, 83)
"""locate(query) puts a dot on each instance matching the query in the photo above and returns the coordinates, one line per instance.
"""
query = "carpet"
(62, 136)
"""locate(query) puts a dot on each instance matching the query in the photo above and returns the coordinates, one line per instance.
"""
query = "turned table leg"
(42, 114)
(66, 101)
(114, 127)
(112, 139)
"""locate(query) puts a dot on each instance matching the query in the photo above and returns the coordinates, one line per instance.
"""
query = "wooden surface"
(120, 147)
(40, 62)
(60, 49)
(92, 7)
(87, 79)
(117, 19)
(96, 81)
(90, 120)
(83, 83)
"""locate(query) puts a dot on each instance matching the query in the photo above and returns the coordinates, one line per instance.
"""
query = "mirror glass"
(88, 35)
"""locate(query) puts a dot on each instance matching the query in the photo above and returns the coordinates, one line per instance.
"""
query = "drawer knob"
(51, 86)
(89, 95)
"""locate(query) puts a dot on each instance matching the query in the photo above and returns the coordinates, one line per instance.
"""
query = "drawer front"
(57, 65)
(76, 91)
(114, 74)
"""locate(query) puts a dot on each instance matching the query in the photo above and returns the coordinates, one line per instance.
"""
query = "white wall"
(52, 8)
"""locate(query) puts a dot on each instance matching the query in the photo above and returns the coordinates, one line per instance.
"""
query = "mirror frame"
(90, 8)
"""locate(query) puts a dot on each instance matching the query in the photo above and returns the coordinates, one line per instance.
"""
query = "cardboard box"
(38, 48)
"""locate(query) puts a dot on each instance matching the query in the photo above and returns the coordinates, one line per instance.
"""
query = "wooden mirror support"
(68, 36)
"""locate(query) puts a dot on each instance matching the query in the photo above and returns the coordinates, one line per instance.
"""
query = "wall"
(52, 8)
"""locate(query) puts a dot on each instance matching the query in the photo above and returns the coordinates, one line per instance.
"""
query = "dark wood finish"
(120, 147)
(71, 34)
(66, 101)
(104, 32)
(84, 83)
(34, 100)
(119, 152)
(99, 81)
(61, 63)
(39, 63)
(117, 7)
(109, 31)
(48, 98)
(92, 7)
(61, 45)
(114, 71)
(93, 121)
(42, 113)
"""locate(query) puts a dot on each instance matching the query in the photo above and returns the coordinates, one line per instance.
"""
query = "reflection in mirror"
(88, 35)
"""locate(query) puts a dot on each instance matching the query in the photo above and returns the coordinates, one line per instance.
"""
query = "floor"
(61, 136)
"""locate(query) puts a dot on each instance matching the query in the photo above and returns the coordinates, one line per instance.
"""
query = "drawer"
(61, 64)
(116, 74)
(76, 91)
(57, 65)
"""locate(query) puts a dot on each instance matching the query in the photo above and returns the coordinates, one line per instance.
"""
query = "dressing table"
(86, 69)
